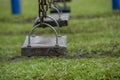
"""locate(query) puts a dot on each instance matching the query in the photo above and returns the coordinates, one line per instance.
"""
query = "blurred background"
(29, 9)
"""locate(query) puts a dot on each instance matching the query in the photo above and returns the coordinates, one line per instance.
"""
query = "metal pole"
(116, 4)
(16, 6)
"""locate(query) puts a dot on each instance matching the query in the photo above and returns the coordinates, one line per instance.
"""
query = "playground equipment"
(63, 9)
(116, 4)
(44, 45)
(16, 6)
(62, 0)
(53, 19)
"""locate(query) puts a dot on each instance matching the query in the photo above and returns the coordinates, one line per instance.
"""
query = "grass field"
(93, 40)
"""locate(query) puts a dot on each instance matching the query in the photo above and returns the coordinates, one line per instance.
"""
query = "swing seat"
(62, 22)
(44, 46)
(62, 9)
(62, 0)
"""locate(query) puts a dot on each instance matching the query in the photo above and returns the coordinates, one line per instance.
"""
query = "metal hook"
(58, 11)
(29, 41)
(56, 24)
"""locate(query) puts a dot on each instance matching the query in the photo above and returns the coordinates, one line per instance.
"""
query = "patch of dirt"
(66, 56)
(16, 59)
(78, 56)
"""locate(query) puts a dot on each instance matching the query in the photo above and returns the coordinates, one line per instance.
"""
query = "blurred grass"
(91, 7)
(80, 8)
(93, 31)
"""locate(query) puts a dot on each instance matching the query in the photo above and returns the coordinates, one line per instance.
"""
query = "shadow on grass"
(66, 56)
(115, 13)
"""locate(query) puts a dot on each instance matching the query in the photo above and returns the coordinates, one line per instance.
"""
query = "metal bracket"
(30, 33)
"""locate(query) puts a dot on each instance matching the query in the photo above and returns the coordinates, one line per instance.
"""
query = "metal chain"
(43, 8)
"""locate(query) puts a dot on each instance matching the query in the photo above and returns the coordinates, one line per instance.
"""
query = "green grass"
(62, 69)
(93, 39)
(91, 7)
